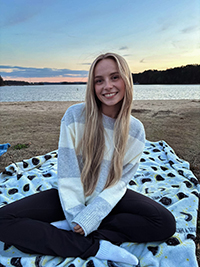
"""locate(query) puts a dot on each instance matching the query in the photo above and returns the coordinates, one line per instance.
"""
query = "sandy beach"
(37, 124)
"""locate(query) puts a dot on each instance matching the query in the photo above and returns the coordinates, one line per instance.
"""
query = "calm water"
(77, 92)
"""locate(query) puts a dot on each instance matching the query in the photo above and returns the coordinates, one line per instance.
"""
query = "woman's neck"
(111, 111)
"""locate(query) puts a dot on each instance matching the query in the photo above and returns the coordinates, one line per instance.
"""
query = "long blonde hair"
(93, 143)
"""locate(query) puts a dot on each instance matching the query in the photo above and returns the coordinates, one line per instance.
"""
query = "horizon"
(30, 80)
(56, 41)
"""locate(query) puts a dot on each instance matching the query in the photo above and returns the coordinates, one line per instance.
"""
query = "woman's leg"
(26, 225)
(137, 218)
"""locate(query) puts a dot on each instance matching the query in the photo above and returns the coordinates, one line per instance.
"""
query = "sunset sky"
(48, 40)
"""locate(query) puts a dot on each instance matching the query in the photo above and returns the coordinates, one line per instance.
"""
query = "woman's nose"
(108, 84)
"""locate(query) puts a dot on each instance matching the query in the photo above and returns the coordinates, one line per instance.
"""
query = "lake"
(77, 92)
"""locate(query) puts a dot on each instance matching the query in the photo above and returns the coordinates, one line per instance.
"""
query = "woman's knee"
(170, 225)
(167, 227)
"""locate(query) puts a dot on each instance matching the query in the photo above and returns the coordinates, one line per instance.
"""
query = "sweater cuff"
(92, 215)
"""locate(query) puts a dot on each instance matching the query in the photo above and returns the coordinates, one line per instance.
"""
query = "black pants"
(26, 225)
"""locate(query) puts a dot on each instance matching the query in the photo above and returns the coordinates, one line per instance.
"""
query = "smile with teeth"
(110, 94)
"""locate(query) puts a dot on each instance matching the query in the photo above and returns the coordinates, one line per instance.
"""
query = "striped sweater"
(89, 211)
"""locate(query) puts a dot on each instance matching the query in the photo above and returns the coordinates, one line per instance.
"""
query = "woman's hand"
(79, 230)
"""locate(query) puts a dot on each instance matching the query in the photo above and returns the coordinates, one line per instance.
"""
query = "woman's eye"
(98, 81)
(115, 77)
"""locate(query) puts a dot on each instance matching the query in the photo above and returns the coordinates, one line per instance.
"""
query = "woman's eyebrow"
(116, 72)
(113, 73)
(98, 76)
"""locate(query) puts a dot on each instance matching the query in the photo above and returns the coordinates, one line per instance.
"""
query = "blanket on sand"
(161, 176)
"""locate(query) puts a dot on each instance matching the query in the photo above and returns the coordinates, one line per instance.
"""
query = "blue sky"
(44, 40)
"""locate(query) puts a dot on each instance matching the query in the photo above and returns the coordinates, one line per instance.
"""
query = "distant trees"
(189, 74)
(16, 83)
(7, 82)
(1, 81)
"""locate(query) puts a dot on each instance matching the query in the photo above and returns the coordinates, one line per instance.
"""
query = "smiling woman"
(100, 147)
(109, 86)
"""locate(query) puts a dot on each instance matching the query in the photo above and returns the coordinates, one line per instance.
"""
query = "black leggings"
(26, 225)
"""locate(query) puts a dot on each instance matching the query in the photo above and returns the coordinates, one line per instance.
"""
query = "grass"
(20, 146)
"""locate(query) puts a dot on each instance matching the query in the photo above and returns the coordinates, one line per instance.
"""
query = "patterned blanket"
(162, 176)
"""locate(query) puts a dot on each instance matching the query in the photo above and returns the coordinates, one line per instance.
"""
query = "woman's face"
(109, 86)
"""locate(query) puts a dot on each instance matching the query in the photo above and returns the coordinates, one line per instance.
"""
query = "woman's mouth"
(109, 95)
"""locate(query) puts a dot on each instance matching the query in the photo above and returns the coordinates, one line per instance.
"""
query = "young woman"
(99, 151)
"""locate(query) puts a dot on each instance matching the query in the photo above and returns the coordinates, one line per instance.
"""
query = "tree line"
(189, 74)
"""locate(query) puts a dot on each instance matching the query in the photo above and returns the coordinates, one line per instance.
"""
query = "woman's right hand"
(79, 230)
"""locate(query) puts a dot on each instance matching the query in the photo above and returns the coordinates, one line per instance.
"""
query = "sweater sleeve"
(69, 183)
(92, 215)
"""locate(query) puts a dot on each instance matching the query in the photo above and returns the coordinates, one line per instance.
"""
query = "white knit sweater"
(88, 212)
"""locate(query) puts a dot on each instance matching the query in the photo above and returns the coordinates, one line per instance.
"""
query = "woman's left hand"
(79, 230)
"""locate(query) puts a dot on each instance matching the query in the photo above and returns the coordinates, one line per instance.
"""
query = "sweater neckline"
(108, 120)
